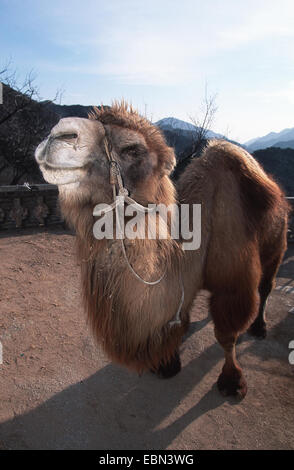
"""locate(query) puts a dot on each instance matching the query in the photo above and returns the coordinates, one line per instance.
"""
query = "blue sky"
(160, 54)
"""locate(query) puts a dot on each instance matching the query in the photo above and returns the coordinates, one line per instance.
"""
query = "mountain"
(270, 140)
(76, 110)
(186, 139)
(289, 144)
(278, 162)
(174, 124)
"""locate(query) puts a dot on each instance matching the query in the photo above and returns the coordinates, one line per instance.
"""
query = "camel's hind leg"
(258, 327)
(232, 311)
(270, 261)
(231, 381)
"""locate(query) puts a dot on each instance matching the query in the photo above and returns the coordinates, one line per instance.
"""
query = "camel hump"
(258, 191)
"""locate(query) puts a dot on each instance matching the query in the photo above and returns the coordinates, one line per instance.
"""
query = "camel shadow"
(276, 344)
(196, 326)
(115, 409)
(287, 267)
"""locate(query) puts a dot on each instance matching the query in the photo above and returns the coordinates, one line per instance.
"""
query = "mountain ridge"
(172, 123)
(270, 140)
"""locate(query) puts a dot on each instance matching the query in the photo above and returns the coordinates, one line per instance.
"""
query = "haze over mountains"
(283, 139)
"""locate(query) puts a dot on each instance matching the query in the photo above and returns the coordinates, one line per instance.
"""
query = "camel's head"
(74, 157)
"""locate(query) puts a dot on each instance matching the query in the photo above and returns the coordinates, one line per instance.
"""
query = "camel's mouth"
(49, 167)
(62, 176)
(54, 170)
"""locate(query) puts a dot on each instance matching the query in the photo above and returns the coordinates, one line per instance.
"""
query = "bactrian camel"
(243, 238)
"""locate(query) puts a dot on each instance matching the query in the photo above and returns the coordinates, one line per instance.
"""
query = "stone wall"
(29, 206)
(37, 205)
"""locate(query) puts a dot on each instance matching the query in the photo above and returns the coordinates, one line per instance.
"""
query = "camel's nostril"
(66, 136)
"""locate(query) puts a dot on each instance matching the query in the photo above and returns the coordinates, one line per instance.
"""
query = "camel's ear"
(169, 162)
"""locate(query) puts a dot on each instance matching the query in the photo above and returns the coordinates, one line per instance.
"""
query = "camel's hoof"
(172, 368)
(258, 329)
(232, 385)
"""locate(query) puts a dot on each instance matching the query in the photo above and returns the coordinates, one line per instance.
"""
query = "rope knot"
(114, 171)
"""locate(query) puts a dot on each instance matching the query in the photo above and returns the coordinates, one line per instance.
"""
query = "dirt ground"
(59, 391)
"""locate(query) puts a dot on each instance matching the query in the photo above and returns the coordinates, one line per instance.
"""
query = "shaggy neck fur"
(120, 308)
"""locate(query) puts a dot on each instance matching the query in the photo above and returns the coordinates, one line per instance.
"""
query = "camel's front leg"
(231, 381)
(169, 369)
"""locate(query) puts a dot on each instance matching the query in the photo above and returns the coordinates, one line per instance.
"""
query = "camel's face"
(72, 147)
(74, 158)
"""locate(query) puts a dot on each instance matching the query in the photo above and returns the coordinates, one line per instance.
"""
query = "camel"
(243, 239)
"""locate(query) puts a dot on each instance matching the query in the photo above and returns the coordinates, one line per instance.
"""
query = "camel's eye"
(133, 150)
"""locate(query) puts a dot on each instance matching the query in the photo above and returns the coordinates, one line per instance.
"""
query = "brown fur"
(244, 217)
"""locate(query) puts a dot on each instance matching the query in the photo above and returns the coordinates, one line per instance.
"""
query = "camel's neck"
(126, 315)
(79, 213)
(148, 254)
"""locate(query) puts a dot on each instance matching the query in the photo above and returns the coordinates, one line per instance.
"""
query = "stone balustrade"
(37, 205)
(29, 206)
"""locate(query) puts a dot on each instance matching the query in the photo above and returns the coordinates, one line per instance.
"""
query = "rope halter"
(118, 202)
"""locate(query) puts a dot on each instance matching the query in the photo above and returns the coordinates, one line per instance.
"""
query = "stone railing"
(37, 205)
(29, 206)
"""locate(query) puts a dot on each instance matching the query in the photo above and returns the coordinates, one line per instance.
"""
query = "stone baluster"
(18, 213)
(41, 210)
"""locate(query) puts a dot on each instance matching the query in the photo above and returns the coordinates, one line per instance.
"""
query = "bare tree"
(24, 122)
(203, 121)
(25, 92)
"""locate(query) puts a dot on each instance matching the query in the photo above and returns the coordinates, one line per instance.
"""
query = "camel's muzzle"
(70, 144)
